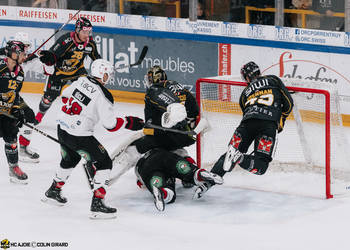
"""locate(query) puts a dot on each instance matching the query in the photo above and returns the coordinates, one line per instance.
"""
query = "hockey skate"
(28, 155)
(232, 158)
(201, 189)
(205, 180)
(17, 175)
(158, 198)
(53, 195)
(100, 211)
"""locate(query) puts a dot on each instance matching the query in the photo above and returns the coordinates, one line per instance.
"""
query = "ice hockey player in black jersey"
(40, 63)
(84, 103)
(157, 169)
(167, 104)
(69, 52)
(266, 104)
(11, 81)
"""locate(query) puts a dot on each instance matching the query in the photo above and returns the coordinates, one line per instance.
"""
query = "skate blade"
(218, 179)
(14, 180)
(158, 200)
(211, 177)
(102, 216)
(198, 193)
(28, 160)
(52, 202)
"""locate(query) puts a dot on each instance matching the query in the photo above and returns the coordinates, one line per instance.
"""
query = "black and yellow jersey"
(10, 85)
(266, 98)
(159, 96)
(70, 54)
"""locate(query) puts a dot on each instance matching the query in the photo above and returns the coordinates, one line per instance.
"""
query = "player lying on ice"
(158, 168)
(170, 106)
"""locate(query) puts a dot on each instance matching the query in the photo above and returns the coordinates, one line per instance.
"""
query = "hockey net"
(311, 151)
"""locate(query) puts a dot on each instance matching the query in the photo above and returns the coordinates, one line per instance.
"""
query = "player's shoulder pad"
(2, 51)
(274, 77)
(2, 62)
(104, 90)
(174, 86)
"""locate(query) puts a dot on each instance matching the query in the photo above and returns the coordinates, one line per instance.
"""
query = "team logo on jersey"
(20, 78)
(265, 145)
(80, 46)
(183, 167)
(13, 74)
(84, 155)
(236, 140)
(156, 181)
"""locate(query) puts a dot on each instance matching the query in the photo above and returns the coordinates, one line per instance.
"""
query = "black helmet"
(155, 75)
(250, 70)
(14, 47)
(83, 24)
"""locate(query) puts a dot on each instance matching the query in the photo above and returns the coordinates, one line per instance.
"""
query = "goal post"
(315, 121)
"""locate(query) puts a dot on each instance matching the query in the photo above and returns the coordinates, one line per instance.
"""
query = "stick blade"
(142, 55)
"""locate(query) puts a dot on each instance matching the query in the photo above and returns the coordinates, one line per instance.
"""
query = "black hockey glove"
(30, 115)
(18, 113)
(47, 57)
(134, 123)
(281, 123)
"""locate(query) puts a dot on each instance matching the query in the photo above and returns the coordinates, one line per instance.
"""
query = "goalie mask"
(101, 67)
(251, 71)
(155, 75)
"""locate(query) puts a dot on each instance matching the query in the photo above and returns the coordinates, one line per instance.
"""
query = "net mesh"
(302, 144)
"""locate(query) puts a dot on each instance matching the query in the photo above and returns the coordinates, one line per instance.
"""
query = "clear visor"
(86, 31)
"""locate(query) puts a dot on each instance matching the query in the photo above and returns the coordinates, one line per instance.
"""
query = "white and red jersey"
(84, 103)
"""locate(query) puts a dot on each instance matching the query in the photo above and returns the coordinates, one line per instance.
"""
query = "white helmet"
(100, 67)
(23, 37)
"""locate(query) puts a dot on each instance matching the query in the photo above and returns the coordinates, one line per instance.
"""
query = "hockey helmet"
(14, 47)
(100, 67)
(250, 70)
(155, 75)
(83, 24)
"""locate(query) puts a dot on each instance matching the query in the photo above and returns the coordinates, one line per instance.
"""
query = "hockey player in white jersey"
(84, 103)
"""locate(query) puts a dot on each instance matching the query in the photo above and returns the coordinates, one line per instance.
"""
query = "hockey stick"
(149, 124)
(63, 25)
(139, 61)
(90, 179)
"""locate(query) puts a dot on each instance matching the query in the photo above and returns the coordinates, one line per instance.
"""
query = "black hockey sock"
(11, 152)
(218, 166)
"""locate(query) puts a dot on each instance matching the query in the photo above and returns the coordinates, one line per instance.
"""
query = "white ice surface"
(228, 217)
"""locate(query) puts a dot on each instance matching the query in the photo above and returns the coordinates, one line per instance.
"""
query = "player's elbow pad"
(120, 122)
